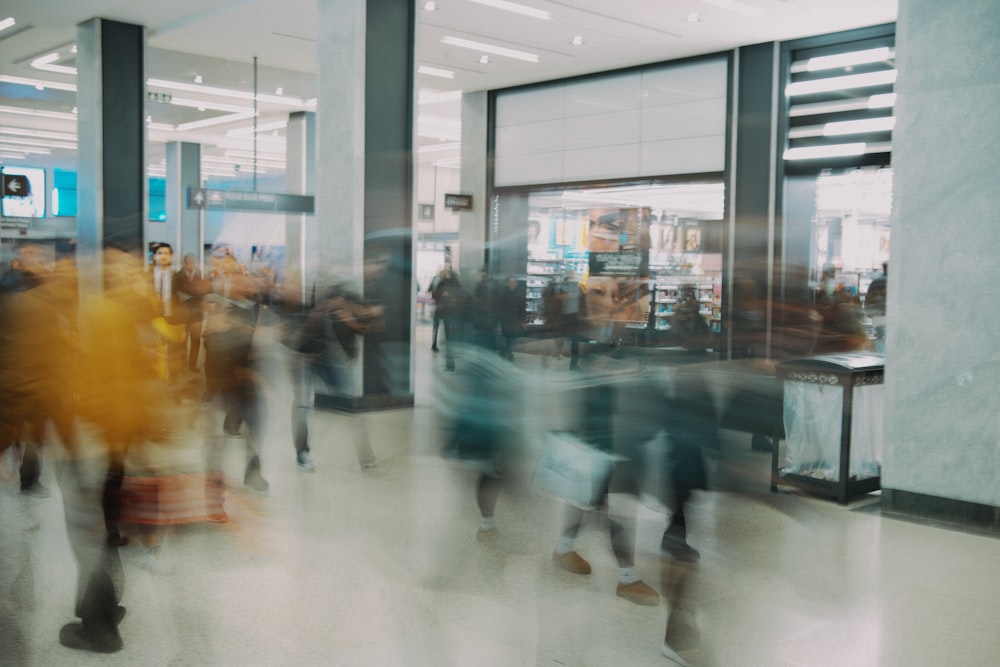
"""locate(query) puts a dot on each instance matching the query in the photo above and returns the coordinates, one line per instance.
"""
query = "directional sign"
(238, 200)
(16, 185)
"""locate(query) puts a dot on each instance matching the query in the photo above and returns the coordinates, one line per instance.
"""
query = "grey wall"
(943, 356)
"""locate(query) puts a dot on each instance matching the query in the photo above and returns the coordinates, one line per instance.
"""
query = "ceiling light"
(39, 84)
(833, 83)
(197, 78)
(62, 115)
(7, 23)
(516, 8)
(484, 60)
(736, 7)
(430, 6)
(859, 126)
(693, 18)
(490, 48)
(830, 150)
(436, 71)
(577, 40)
(72, 49)
(279, 91)
(848, 59)
(224, 92)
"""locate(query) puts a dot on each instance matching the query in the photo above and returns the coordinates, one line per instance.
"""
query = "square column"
(111, 127)
(183, 225)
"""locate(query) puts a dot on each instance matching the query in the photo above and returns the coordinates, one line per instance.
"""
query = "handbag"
(573, 470)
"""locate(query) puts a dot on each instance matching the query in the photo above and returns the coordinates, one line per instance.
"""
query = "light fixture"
(859, 126)
(484, 60)
(39, 84)
(737, 7)
(833, 83)
(197, 78)
(577, 40)
(279, 91)
(7, 23)
(848, 59)
(430, 6)
(828, 150)
(436, 71)
(516, 8)
(693, 17)
(72, 49)
(489, 48)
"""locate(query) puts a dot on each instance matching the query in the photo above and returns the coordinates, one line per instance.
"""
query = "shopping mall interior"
(659, 236)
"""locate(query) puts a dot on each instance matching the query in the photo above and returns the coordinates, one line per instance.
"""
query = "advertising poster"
(618, 282)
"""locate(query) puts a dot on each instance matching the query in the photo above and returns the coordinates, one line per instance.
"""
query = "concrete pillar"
(111, 127)
(940, 459)
(183, 229)
(300, 231)
(472, 225)
(364, 203)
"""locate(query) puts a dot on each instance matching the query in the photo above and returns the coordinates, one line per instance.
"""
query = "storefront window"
(648, 256)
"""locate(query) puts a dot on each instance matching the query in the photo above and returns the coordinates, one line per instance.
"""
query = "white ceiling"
(219, 39)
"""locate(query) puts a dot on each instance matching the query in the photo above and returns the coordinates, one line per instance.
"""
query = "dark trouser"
(31, 464)
(100, 574)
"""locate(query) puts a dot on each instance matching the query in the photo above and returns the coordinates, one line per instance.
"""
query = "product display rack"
(667, 293)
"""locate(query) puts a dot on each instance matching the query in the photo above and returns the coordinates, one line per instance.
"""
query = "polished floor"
(382, 566)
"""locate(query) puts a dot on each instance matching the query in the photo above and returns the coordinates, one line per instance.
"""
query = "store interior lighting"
(849, 59)
(516, 8)
(836, 83)
(489, 48)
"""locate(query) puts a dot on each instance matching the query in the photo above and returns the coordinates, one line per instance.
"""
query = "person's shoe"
(679, 550)
(36, 490)
(119, 614)
(638, 593)
(434, 348)
(117, 540)
(304, 462)
(78, 636)
(672, 655)
(571, 562)
(218, 517)
(254, 481)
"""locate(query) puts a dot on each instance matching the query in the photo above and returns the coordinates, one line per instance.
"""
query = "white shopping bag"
(573, 470)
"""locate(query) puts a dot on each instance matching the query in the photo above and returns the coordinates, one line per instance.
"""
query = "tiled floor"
(382, 567)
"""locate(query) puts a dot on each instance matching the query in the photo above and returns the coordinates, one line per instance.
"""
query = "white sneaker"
(673, 656)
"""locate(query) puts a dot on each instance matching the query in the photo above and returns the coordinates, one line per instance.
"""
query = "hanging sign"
(239, 200)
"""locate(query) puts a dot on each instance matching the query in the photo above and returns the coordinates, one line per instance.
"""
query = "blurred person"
(191, 287)
(842, 329)
(597, 407)
(28, 273)
(875, 300)
(564, 302)
(387, 320)
(120, 401)
(448, 298)
(231, 379)
(442, 286)
(509, 313)
(483, 313)
(322, 343)
(481, 404)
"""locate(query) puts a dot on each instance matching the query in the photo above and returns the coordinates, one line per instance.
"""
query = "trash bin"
(831, 412)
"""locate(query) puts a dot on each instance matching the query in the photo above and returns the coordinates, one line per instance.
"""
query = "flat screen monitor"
(24, 192)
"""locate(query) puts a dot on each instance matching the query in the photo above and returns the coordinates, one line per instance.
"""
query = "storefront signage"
(621, 264)
(238, 200)
(457, 202)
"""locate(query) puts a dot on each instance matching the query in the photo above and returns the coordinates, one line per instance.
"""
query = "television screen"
(23, 192)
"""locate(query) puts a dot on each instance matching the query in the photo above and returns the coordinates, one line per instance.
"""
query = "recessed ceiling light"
(7, 23)
(577, 40)
(483, 60)
(430, 6)
(279, 91)
(516, 8)
(197, 78)
(693, 18)
(73, 49)
(490, 48)
(201, 108)
(436, 71)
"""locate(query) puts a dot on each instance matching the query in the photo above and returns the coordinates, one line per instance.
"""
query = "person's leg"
(194, 344)
(248, 399)
(302, 398)
(31, 466)
(564, 555)
(111, 496)
(487, 493)
(434, 331)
